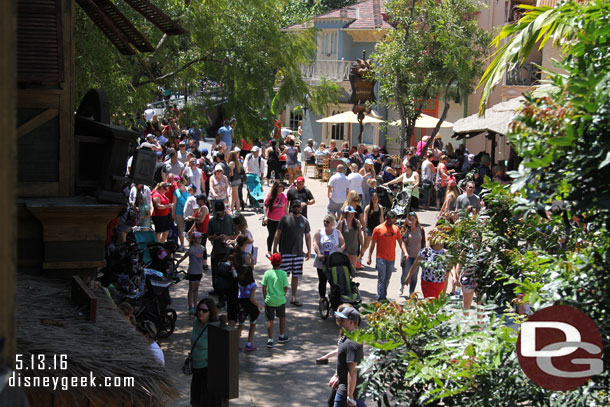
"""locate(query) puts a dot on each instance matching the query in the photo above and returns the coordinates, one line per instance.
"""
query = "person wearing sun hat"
(275, 287)
(349, 355)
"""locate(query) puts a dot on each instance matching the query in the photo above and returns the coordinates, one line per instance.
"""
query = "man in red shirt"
(385, 237)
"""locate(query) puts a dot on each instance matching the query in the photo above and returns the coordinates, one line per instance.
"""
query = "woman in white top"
(219, 186)
(326, 241)
(410, 180)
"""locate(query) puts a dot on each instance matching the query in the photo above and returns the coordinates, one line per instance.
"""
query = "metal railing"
(337, 70)
(526, 74)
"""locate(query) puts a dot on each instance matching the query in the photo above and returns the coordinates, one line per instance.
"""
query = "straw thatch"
(48, 323)
(496, 119)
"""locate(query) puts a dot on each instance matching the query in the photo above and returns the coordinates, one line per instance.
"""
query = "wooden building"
(55, 215)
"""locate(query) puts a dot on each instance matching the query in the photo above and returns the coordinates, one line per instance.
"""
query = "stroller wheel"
(170, 312)
(165, 326)
(324, 308)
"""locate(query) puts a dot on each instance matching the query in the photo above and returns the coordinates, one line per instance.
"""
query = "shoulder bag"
(187, 366)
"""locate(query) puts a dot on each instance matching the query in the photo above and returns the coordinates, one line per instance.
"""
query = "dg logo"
(560, 348)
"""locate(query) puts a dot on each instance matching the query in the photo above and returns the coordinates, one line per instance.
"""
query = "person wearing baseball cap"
(349, 355)
(299, 191)
(275, 287)
(196, 254)
(289, 237)
(254, 163)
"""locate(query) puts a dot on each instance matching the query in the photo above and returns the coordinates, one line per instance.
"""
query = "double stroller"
(399, 202)
(340, 273)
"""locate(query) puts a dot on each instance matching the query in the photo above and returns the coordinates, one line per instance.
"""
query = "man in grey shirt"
(289, 236)
(467, 199)
(173, 165)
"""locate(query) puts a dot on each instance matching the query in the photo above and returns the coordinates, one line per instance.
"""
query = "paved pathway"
(285, 375)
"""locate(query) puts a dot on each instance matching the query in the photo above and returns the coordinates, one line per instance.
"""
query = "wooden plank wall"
(8, 179)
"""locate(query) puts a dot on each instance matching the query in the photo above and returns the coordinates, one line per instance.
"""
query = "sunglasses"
(412, 213)
(204, 310)
(327, 222)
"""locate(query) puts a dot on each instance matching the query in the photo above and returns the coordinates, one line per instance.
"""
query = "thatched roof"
(47, 323)
(496, 119)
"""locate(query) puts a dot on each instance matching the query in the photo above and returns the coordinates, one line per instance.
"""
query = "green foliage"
(541, 241)
(435, 51)
(238, 43)
(299, 11)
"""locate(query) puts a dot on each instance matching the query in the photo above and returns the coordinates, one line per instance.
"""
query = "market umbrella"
(349, 117)
(425, 122)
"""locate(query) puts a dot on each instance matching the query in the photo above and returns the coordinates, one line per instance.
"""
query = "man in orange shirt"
(385, 237)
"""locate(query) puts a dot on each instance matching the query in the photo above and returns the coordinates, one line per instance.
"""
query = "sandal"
(296, 303)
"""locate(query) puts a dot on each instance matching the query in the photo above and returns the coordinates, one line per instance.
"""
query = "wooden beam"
(36, 121)
(84, 297)
(8, 178)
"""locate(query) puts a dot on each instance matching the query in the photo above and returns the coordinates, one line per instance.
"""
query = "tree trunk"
(440, 119)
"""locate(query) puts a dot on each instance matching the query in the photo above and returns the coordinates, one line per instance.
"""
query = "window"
(337, 130)
(295, 118)
(327, 43)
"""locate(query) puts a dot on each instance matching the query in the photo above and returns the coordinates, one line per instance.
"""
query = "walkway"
(285, 376)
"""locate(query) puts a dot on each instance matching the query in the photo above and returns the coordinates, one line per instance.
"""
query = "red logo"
(560, 348)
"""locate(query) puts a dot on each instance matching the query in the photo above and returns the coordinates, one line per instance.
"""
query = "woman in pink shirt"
(276, 206)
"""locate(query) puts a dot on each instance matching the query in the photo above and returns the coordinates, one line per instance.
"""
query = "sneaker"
(192, 311)
(252, 348)
(282, 339)
(401, 290)
(206, 268)
(270, 343)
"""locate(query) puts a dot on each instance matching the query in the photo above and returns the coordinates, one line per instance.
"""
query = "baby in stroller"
(343, 289)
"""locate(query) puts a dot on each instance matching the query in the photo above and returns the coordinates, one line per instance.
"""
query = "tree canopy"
(434, 51)
(237, 43)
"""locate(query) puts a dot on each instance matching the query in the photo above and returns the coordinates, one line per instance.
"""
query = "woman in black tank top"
(372, 218)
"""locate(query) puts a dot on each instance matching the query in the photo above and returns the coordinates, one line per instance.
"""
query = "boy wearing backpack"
(275, 287)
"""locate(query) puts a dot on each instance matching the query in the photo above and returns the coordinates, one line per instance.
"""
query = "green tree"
(434, 51)
(237, 43)
(544, 240)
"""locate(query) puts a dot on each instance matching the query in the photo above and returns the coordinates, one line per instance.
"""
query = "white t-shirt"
(149, 113)
(156, 350)
(339, 184)
(252, 164)
(182, 156)
(189, 206)
(355, 182)
(194, 177)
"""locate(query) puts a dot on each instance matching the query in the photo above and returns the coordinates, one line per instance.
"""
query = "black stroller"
(152, 302)
(343, 289)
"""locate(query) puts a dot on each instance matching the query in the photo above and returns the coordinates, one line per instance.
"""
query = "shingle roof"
(364, 15)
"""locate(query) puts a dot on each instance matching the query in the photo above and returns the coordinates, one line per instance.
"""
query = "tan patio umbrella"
(425, 122)
(349, 117)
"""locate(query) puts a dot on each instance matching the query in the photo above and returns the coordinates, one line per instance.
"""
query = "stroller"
(343, 289)
(157, 256)
(152, 301)
(402, 205)
(255, 192)
(386, 196)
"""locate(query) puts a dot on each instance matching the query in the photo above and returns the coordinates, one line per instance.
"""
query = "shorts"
(249, 309)
(295, 166)
(194, 277)
(369, 232)
(467, 283)
(161, 223)
(270, 312)
(292, 263)
(236, 183)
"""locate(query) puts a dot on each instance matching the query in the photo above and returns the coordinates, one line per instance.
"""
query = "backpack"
(207, 167)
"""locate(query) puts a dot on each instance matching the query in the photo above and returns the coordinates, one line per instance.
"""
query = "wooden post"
(223, 364)
(8, 179)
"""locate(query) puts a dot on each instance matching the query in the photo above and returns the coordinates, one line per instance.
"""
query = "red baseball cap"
(276, 259)
(299, 179)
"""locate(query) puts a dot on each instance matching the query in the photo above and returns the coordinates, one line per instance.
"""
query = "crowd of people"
(198, 197)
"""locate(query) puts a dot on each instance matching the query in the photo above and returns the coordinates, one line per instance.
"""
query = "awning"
(496, 119)
(349, 117)
(425, 122)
